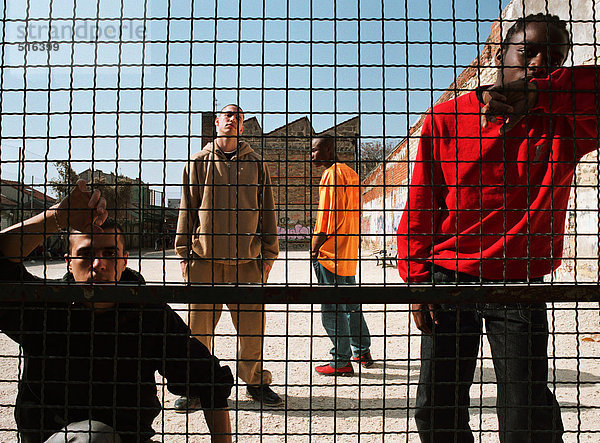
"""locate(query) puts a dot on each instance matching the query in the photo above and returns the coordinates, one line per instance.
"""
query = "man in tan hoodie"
(227, 233)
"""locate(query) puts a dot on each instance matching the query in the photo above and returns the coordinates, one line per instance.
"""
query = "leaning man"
(89, 368)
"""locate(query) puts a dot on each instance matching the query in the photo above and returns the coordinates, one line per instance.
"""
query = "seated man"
(89, 367)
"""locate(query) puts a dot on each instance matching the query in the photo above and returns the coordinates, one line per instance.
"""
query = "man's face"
(100, 258)
(535, 52)
(230, 121)
(319, 154)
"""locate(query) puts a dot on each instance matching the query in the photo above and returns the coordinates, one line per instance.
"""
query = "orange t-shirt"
(338, 216)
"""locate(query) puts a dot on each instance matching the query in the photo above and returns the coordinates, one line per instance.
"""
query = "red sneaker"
(364, 360)
(330, 370)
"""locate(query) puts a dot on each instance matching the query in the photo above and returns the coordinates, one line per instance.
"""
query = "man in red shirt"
(487, 202)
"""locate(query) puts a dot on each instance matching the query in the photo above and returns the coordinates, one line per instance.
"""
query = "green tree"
(66, 179)
(372, 153)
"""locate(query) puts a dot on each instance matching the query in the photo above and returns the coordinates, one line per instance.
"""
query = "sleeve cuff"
(215, 396)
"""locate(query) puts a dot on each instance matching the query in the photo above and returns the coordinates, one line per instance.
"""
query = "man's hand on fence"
(511, 103)
(81, 209)
(183, 265)
(424, 316)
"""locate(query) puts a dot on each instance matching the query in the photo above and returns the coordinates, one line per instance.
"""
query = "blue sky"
(132, 100)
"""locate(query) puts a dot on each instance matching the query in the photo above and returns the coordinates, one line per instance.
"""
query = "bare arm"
(326, 217)
(219, 425)
(317, 241)
(79, 210)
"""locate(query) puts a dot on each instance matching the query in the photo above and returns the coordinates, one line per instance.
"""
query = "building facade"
(385, 188)
(286, 151)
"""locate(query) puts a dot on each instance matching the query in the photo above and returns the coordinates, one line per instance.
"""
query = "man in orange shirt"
(334, 253)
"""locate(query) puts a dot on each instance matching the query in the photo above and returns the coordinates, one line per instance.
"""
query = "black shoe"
(184, 404)
(264, 394)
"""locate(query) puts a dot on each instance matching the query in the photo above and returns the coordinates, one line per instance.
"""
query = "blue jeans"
(344, 323)
(518, 336)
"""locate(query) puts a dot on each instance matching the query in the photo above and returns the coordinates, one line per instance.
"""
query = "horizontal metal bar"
(301, 294)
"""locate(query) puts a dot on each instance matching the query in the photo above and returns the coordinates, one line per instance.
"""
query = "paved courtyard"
(377, 402)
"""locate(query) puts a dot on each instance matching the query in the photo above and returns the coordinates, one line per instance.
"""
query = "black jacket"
(80, 364)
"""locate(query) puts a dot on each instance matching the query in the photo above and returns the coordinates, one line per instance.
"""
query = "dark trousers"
(518, 337)
(344, 323)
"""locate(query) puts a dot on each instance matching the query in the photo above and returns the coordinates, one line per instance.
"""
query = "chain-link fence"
(380, 217)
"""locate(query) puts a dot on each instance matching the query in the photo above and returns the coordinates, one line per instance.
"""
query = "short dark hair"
(326, 140)
(551, 20)
(113, 225)
(108, 225)
(240, 110)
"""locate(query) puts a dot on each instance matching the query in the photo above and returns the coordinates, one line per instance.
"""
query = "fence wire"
(330, 221)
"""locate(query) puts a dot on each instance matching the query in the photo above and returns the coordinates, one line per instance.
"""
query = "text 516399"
(38, 46)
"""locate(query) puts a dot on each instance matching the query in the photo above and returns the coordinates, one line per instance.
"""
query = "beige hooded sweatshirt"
(227, 211)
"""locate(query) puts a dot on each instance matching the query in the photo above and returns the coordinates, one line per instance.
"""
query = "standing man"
(334, 253)
(487, 203)
(227, 233)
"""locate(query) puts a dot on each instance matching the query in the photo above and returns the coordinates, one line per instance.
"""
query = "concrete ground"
(375, 404)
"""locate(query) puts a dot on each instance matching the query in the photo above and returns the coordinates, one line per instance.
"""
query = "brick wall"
(286, 151)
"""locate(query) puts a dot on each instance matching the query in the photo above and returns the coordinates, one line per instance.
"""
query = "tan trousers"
(248, 319)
